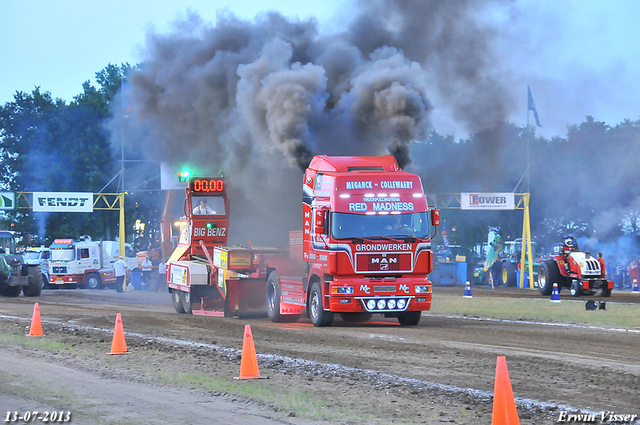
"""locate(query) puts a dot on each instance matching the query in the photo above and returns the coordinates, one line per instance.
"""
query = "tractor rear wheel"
(547, 276)
(508, 274)
(34, 289)
(10, 291)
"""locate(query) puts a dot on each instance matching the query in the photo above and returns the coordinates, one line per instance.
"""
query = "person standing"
(120, 268)
(634, 273)
(146, 272)
(162, 277)
(603, 266)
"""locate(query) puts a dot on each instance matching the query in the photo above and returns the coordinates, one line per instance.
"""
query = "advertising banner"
(487, 201)
(62, 202)
(7, 201)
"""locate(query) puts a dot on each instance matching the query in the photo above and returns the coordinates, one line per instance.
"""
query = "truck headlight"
(342, 290)
(391, 304)
(421, 289)
(401, 304)
(371, 304)
(381, 304)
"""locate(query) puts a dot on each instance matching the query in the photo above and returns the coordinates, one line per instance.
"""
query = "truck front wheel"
(409, 318)
(176, 299)
(319, 317)
(93, 281)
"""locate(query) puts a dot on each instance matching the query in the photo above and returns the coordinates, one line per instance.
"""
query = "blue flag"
(532, 107)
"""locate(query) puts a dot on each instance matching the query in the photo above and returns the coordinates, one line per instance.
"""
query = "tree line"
(50, 145)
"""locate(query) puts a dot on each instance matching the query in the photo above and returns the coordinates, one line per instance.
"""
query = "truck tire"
(409, 318)
(356, 317)
(547, 276)
(186, 302)
(45, 282)
(93, 281)
(273, 294)
(575, 288)
(508, 274)
(606, 292)
(34, 289)
(10, 291)
(319, 317)
(176, 300)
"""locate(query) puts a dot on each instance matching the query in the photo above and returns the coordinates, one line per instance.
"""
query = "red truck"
(364, 248)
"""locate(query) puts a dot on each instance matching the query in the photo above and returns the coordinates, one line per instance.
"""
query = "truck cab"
(190, 270)
(85, 262)
(39, 256)
(366, 238)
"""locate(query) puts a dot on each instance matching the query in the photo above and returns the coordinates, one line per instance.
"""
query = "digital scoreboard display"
(207, 185)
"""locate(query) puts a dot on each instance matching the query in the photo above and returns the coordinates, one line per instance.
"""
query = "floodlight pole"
(526, 241)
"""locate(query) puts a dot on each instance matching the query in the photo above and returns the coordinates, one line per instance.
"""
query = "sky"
(578, 57)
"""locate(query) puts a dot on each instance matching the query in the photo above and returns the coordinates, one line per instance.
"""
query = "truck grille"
(378, 288)
(384, 262)
(59, 269)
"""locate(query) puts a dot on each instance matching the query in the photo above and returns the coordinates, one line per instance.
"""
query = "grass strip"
(617, 315)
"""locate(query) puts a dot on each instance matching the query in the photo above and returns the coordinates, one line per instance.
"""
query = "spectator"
(603, 266)
(162, 277)
(634, 273)
(121, 271)
(146, 272)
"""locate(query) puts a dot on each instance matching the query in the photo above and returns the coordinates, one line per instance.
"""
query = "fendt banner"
(487, 201)
(63, 201)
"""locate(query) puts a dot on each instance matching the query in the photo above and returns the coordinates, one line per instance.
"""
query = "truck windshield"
(345, 225)
(31, 255)
(208, 205)
(62, 254)
(7, 244)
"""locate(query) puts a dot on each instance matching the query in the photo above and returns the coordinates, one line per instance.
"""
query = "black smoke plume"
(259, 99)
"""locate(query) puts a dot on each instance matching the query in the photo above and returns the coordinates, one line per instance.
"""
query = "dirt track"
(443, 370)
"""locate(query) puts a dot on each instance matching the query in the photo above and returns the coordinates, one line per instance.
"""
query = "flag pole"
(527, 170)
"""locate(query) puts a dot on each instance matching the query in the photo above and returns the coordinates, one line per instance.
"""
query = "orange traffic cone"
(36, 324)
(504, 405)
(249, 362)
(118, 345)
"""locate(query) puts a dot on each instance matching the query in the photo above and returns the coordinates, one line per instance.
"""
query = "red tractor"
(571, 268)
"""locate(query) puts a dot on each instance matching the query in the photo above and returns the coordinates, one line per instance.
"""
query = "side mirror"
(320, 221)
(435, 217)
